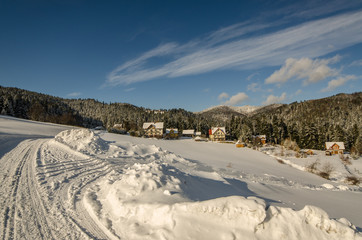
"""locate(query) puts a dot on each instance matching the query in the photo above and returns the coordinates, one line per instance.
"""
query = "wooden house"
(118, 128)
(309, 152)
(188, 133)
(334, 148)
(153, 129)
(259, 139)
(217, 134)
(171, 133)
(240, 144)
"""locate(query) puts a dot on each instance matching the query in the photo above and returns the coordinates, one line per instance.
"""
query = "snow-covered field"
(59, 182)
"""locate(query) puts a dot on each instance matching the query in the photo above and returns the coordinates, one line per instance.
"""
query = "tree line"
(309, 123)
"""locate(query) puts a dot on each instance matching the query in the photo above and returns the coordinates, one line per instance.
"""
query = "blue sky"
(182, 54)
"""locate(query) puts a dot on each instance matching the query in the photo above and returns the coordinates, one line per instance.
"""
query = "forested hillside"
(310, 123)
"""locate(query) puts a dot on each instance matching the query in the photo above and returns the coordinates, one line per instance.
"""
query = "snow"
(83, 184)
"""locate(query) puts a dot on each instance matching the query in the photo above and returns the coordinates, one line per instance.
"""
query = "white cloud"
(129, 89)
(356, 63)
(254, 87)
(235, 47)
(275, 99)
(298, 92)
(333, 84)
(251, 76)
(237, 99)
(74, 94)
(223, 95)
(311, 71)
(206, 90)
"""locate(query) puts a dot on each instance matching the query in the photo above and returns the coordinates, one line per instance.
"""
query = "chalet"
(118, 128)
(259, 139)
(309, 152)
(153, 129)
(188, 133)
(334, 148)
(217, 134)
(171, 133)
(240, 144)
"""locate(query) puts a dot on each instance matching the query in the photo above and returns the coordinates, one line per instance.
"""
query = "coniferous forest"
(310, 123)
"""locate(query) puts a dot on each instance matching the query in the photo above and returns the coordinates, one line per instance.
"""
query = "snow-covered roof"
(148, 124)
(260, 136)
(188, 131)
(168, 130)
(214, 129)
(329, 145)
(198, 133)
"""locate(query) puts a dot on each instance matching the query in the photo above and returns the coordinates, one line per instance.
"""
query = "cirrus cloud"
(247, 46)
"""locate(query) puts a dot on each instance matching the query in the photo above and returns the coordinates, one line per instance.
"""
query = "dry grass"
(312, 167)
(345, 160)
(326, 171)
(353, 180)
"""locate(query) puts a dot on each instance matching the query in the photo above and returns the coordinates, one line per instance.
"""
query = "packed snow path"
(40, 190)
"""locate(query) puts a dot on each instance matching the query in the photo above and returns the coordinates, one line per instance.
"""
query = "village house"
(334, 148)
(171, 133)
(259, 139)
(118, 128)
(153, 129)
(188, 133)
(240, 144)
(217, 134)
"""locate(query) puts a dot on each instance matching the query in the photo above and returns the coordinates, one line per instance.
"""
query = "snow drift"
(155, 199)
(82, 140)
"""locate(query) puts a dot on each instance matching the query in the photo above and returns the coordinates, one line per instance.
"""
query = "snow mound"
(151, 201)
(82, 140)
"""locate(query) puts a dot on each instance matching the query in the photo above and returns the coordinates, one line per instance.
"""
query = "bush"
(353, 180)
(312, 167)
(345, 160)
(327, 169)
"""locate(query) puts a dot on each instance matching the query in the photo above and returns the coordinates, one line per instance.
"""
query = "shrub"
(327, 169)
(353, 180)
(312, 167)
(345, 160)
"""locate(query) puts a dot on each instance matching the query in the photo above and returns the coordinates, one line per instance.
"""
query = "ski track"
(45, 183)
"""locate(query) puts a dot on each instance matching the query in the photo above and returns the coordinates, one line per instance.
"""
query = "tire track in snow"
(32, 208)
(67, 176)
(11, 167)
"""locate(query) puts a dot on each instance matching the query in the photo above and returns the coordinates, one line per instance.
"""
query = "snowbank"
(82, 140)
(151, 201)
(156, 194)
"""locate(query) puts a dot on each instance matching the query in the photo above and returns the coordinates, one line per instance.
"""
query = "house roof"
(329, 145)
(168, 130)
(260, 136)
(188, 131)
(214, 129)
(148, 124)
